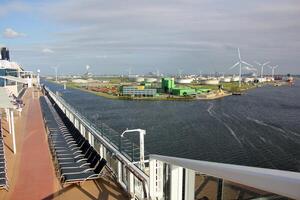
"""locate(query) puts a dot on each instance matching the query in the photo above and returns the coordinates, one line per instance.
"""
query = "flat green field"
(230, 87)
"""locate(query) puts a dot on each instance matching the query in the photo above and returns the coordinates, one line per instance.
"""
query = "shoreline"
(208, 97)
(108, 96)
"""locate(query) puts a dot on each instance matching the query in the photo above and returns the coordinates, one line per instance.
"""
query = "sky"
(144, 36)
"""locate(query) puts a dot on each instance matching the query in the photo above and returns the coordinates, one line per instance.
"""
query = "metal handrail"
(87, 121)
(107, 143)
(285, 183)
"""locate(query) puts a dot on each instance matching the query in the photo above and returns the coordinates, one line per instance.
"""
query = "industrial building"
(183, 91)
(203, 90)
(138, 91)
(167, 84)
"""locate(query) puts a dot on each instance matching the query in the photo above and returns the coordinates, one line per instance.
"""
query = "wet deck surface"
(30, 171)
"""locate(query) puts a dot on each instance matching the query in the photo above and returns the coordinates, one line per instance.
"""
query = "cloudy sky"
(166, 35)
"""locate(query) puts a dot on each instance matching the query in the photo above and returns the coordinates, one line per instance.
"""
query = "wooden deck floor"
(31, 173)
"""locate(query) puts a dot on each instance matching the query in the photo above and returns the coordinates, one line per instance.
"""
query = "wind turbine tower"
(273, 69)
(239, 63)
(180, 72)
(262, 67)
(87, 68)
(157, 73)
(56, 72)
(129, 71)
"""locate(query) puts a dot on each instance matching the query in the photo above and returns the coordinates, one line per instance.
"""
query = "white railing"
(284, 183)
(136, 179)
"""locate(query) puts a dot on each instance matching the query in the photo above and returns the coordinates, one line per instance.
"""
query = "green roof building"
(183, 91)
(167, 84)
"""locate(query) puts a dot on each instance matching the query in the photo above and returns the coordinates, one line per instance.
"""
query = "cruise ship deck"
(31, 173)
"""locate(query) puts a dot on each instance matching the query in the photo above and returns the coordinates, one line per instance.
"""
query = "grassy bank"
(80, 87)
(228, 87)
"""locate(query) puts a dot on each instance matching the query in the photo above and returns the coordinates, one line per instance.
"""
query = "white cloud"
(9, 33)
(47, 50)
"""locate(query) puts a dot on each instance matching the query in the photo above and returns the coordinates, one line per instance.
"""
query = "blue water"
(260, 128)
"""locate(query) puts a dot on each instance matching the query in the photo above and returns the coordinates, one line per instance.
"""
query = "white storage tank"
(261, 80)
(226, 79)
(150, 80)
(184, 80)
(235, 79)
(211, 82)
(138, 79)
(248, 79)
(269, 79)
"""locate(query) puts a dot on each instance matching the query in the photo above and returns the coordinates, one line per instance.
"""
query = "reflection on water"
(260, 128)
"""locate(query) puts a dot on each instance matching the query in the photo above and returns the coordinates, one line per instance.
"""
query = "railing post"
(75, 122)
(220, 189)
(176, 182)
(156, 179)
(8, 117)
(132, 152)
(119, 171)
(101, 150)
(189, 184)
(73, 119)
(104, 152)
(13, 131)
(131, 185)
(120, 145)
(91, 138)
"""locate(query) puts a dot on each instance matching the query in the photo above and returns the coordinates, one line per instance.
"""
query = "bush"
(235, 88)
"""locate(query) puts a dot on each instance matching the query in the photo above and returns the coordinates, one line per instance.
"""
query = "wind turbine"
(87, 67)
(56, 72)
(129, 71)
(240, 62)
(200, 73)
(262, 67)
(157, 73)
(273, 69)
(180, 72)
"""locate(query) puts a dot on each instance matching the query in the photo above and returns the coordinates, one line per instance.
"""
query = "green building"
(167, 84)
(183, 91)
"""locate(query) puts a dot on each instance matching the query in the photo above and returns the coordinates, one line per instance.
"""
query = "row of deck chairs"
(3, 174)
(75, 159)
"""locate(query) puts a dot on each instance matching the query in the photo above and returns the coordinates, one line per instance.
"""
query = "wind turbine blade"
(250, 68)
(236, 64)
(266, 63)
(239, 54)
(247, 63)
